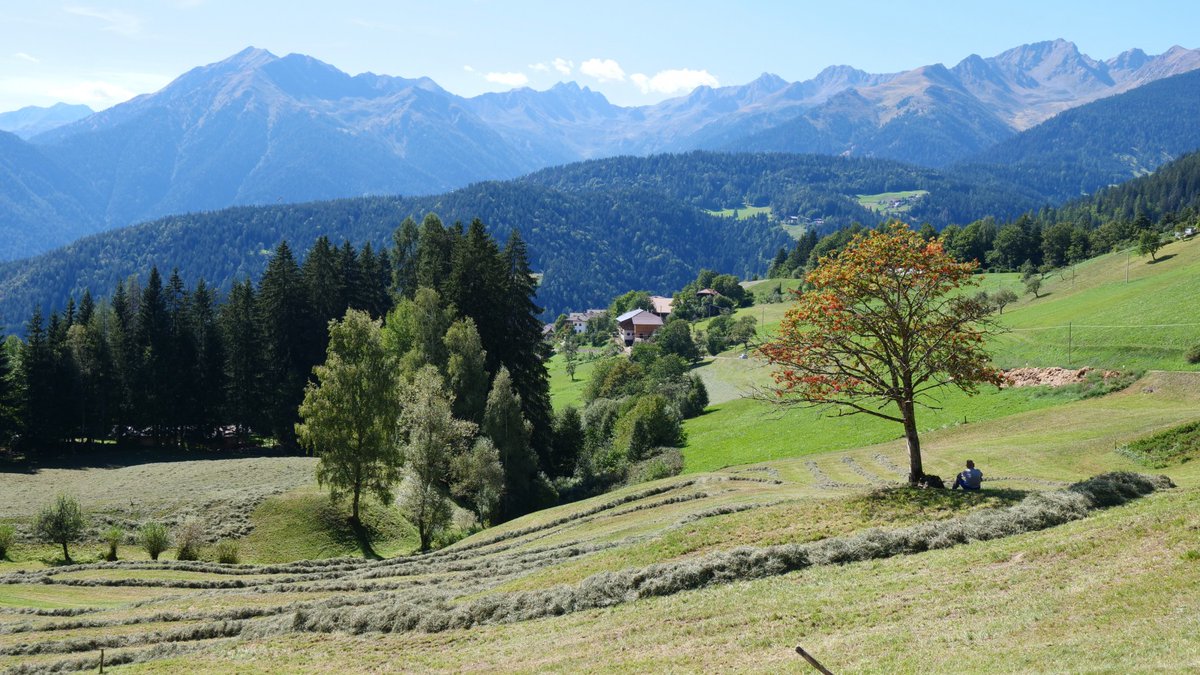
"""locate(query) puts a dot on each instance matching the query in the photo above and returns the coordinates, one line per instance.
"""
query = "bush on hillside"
(8, 535)
(61, 523)
(154, 539)
(1193, 355)
(1173, 446)
(112, 536)
(227, 552)
(664, 463)
(188, 540)
(650, 423)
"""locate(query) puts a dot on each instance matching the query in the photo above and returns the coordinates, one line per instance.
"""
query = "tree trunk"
(915, 471)
(66, 555)
(354, 505)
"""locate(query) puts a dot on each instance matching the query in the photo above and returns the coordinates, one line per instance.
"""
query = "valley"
(585, 342)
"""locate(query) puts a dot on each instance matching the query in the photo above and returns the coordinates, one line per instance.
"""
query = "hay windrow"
(1036, 512)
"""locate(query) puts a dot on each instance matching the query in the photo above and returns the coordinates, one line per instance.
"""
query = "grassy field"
(742, 213)
(882, 202)
(1076, 595)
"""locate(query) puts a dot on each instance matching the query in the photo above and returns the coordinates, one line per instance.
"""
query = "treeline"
(167, 363)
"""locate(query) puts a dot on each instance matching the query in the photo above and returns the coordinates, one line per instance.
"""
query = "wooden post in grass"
(812, 661)
(101, 660)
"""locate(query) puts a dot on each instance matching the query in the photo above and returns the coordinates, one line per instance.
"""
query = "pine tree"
(525, 353)
(404, 259)
(288, 341)
(434, 247)
(37, 372)
(245, 358)
(153, 376)
(210, 359)
(121, 346)
(181, 358)
(10, 404)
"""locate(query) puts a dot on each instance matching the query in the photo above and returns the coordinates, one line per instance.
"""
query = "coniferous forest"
(167, 362)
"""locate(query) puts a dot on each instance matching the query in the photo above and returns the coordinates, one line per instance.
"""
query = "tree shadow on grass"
(1160, 258)
(362, 537)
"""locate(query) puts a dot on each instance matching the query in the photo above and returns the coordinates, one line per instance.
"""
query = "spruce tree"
(525, 353)
(10, 404)
(288, 342)
(405, 242)
(245, 358)
(37, 372)
(153, 375)
(210, 359)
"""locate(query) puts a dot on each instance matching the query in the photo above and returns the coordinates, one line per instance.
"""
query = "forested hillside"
(583, 244)
(1099, 144)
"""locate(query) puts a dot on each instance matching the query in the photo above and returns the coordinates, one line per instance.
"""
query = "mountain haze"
(33, 120)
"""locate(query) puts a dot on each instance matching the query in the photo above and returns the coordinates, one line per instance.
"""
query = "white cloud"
(469, 69)
(675, 81)
(22, 56)
(122, 23)
(604, 70)
(508, 79)
(99, 91)
(539, 67)
(563, 66)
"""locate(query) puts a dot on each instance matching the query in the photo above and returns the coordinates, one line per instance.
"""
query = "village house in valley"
(638, 325)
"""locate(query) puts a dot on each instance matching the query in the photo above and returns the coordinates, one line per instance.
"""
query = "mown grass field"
(742, 213)
(882, 202)
(1091, 589)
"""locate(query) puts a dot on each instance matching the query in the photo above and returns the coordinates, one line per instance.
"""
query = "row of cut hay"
(1036, 512)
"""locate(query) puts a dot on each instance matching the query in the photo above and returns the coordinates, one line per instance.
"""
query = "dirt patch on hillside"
(1053, 377)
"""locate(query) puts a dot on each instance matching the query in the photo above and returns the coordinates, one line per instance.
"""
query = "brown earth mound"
(1054, 377)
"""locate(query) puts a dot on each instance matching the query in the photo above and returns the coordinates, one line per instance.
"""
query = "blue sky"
(101, 53)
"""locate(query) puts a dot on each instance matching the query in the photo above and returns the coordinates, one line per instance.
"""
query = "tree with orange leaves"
(882, 328)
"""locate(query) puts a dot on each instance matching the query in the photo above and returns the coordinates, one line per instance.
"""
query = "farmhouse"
(661, 306)
(637, 325)
(579, 320)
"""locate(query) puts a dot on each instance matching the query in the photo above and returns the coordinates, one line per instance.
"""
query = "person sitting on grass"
(971, 479)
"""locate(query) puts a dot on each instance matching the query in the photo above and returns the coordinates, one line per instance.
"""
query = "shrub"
(648, 424)
(227, 552)
(155, 539)
(7, 535)
(112, 536)
(188, 540)
(665, 463)
(1193, 354)
(1173, 446)
(61, 523)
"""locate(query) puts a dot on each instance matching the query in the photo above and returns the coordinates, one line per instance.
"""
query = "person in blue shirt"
(971, 479)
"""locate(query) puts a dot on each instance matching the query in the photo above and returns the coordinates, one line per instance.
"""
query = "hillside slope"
(294, 616)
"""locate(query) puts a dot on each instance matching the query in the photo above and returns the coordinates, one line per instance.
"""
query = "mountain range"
(260, 129)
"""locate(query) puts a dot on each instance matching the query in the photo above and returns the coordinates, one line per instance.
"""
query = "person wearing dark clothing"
(971, 479)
